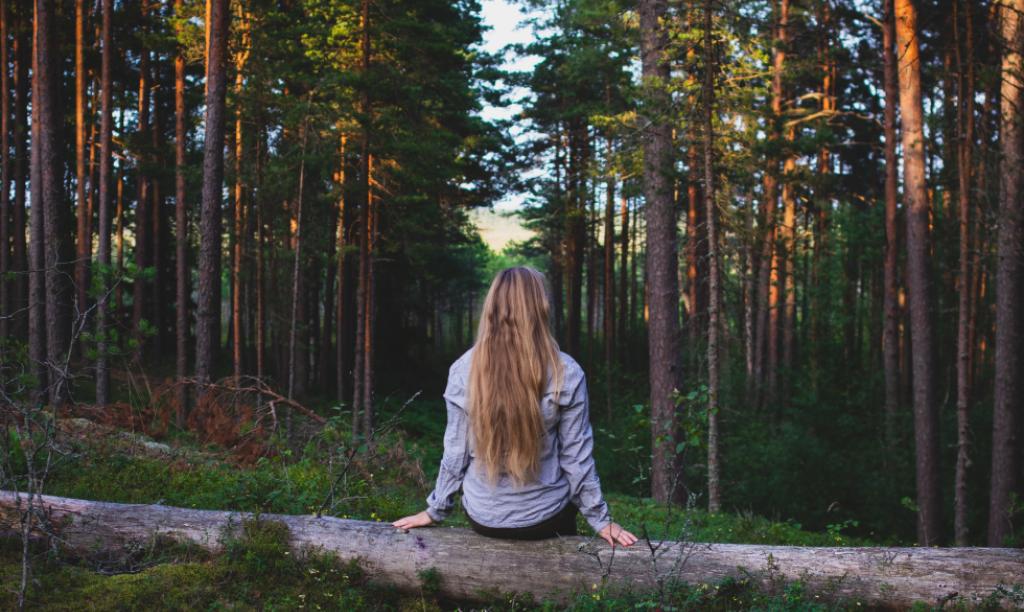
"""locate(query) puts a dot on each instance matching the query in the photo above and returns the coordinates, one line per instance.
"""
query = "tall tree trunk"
(918, 278)
(370, 312)
(361, 393)
(208, 307)
(239, 192)
(57, 243)
(106, 163)
(180, 231)
(156, 254)
(609, 280)
(37, 243)
(83, 243)
(663, 306)
(890, 328)
(624, 276)
(696, 252)
(119, 180)
(296, 276)
(261, 317)
(714, 290)
(339, 298)
(965, 136)
(1009, 361)
(788, 259)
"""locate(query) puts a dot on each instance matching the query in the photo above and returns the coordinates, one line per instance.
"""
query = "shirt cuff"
(598, 518)
(437, 515)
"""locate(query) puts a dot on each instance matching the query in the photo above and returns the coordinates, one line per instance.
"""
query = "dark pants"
(563, 523)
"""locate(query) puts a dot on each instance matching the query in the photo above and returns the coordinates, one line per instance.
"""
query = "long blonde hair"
(513, 356)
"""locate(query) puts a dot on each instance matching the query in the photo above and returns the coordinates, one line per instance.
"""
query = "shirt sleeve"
(455, 459)
(577, 460)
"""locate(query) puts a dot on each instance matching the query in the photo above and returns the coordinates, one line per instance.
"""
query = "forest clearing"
(781, 250)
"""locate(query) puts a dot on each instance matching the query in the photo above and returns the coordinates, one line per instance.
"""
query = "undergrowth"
(331, 474)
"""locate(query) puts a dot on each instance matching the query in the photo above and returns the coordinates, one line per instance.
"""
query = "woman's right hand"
(420, 519)
(613, 533)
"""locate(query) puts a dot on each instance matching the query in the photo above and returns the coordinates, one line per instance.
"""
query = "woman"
(518, 439)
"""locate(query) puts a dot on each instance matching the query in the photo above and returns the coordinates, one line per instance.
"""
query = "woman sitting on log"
(518, 439)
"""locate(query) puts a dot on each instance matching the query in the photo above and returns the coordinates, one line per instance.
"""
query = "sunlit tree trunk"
(241, 57)
(624, 275)
(83, 243)
(918, 278)
(339, 313)
(1009, 390)
(370, 314)
(180, 231)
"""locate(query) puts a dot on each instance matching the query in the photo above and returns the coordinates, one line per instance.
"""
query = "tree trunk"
(261, 317)
(180, 233)
(37, 255)
(873, 576)
(362, 312)
(623, 333)
(369, 313)
(296, 276)
(83, 243)
(1009, 390)
(788, 259)
(609, 280)
(890, 329)
(965, 136)
(339, 298)
(208, 307)
(915, 191)
(714, 290)
(663, 307)
(239, 191)
(106, 163)
(50, 189)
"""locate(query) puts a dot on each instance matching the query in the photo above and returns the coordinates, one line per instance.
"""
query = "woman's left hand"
(421, 519)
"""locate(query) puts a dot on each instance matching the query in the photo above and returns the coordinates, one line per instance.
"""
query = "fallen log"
(470, 565)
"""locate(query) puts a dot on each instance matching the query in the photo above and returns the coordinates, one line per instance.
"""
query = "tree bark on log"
(470, 564)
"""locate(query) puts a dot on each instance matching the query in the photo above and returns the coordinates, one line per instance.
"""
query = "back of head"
(512, 358)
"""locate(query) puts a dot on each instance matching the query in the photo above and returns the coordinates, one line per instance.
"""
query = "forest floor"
(110, 457)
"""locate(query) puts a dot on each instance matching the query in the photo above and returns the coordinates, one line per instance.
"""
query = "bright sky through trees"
(506, 23)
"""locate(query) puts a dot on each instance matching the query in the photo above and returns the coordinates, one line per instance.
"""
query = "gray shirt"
(567, 471)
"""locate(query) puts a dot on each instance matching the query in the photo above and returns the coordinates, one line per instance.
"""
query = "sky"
(505, 22)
